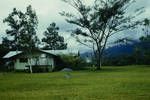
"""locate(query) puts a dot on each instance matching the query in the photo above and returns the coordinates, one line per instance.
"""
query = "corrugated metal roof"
(60, 52)
(12, 53)
(53, 52)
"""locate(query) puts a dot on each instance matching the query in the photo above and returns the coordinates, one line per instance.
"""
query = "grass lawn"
(112, 83)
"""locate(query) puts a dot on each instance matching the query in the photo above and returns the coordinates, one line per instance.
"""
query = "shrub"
(73, 62)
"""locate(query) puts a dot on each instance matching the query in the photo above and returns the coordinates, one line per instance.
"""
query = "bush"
(73, 62)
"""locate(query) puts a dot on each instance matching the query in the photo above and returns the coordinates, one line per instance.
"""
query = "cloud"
(48, 12)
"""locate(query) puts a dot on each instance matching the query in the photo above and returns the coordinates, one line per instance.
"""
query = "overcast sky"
(48, 12)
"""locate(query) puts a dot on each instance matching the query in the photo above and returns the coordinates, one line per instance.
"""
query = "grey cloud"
(48, 11)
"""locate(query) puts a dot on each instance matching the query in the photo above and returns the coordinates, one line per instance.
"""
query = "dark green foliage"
(22, 29)
(143, 50)
(40, 68)
(3, 51)
(15, 21)
(121, 60)
(52, 40)
(6, 43)
(139, 56)
(30, 40)
(73, 62)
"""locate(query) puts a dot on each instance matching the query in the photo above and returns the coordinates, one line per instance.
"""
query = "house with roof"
(35, 60)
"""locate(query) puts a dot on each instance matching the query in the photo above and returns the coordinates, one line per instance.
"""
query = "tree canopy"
(22, 29)
(97, 23)
(52, 40)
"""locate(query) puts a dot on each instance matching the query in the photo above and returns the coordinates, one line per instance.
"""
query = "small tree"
(73, 61)
(52, 39)
(145, 41)
(97, 23)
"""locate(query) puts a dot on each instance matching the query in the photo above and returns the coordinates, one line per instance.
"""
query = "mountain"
(121, 49)
(116, 50)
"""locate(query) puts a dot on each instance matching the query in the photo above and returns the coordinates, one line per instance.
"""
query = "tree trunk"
(98, 59)
(30, 66)
(99, 62)
(99, 56)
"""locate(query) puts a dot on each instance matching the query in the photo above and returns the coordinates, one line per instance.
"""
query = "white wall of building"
(20, 66)
(34, 59)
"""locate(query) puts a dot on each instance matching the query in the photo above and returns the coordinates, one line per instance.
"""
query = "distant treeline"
(139, 56)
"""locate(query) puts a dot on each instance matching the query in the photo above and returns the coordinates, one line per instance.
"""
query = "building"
(36, 60)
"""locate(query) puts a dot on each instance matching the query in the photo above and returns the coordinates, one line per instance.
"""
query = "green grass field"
(112, 83)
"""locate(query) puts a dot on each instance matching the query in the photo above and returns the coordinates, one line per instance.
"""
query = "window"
(23, 60)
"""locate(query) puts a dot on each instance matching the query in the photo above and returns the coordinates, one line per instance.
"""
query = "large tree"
(52, 40)
(97, 23)
(31, 22)
(22, 29)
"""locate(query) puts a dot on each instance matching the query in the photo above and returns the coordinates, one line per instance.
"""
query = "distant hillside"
(117, 50)
(121, 49)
